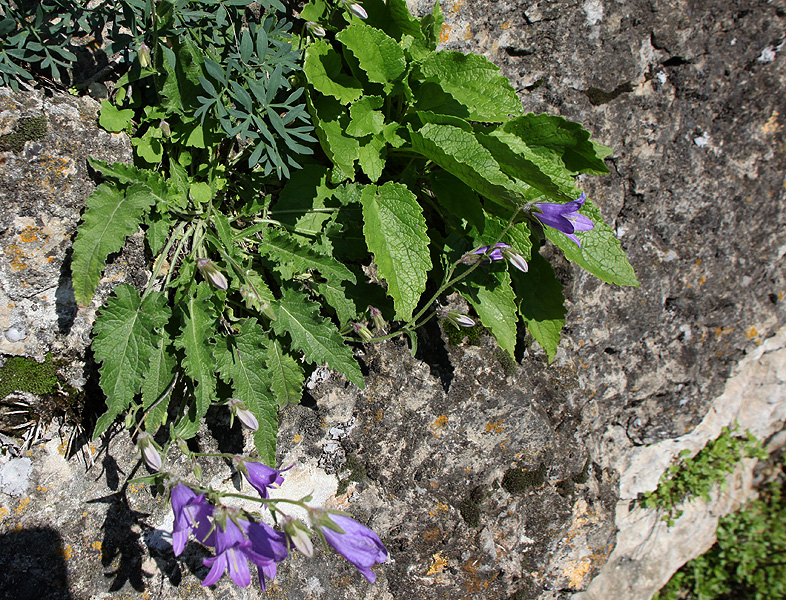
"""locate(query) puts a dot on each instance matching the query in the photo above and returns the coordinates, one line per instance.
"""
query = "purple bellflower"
(264, 547)
(261, 477)
(500, 251)
(192, 513)
(565, 217)
(358, 544)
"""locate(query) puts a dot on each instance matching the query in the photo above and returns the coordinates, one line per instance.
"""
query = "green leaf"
(158, 229)
(316, 337)
(541, 303)
(251, 383)
(476, 84)
(125, 339)
(377, 53)
(196, 341)
(336, 297)
(395, 231)
(298, 199)
(491, 296)
(459, 153)
(113, 119)
(550, 135)
(372, 153)
(330, 122)
(163, 193)
(158, 377)
(601, 252)
(458, 198)
(286, 375)
(289, 258)
(322, 67)
(365, 119)
(110, 216)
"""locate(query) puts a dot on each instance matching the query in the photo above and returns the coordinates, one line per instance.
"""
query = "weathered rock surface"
(485, 483)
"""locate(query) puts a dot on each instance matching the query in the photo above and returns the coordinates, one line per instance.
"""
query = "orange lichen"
(440, 422)
(29, 234)
(495, 427)
(22, 506)
(66, 551)
(444, 34)
(17, 257)
(438, 563)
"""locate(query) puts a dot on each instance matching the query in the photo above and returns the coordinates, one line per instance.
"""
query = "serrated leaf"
(330, 122)
(377, 53)
(474, 83)
(316, 337)
(551, 134)
(541, 303)
(158, 377)
(286, 375)
(196, 341)
(458, 198)
(290, 258)
(600, 253)
(395, 231)
(371, 156)
(125, 339)
(113, 119)
(365, 119)
(459, 153)
(129, 174)
(251, 383)
(322, 67)
(110, 216)
(336, 297)
(158, 228)
(491, 295)
(298, 199)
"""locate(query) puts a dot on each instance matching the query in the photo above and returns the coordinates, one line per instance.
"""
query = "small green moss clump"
(27, 129)
(456, 335)
(357, 473)
(470, 506)
(517, 481)
(20, 374)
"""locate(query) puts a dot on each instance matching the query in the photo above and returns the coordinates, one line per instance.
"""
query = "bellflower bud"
(245, 416)
(455, 317)
(143, 52)
(210, 272)
(356, 9)
(362, 331)
(315, 29)
(299, 536)
(149, 451)
(376, 316)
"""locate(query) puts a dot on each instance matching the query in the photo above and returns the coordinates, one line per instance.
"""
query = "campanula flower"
(245, 416)
(356, 9)
(565, 217)
(357, 543)
(299, 536)
(149, 451)
(192, 513)
(362, 331)
(455, 317)
(210, 272)
(268, 547)
(261, 477)
(500, 251)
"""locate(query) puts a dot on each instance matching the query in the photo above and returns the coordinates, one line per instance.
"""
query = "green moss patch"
(27, 129)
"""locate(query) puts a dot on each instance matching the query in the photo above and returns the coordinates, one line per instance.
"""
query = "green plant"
(748, 561)
(696, 476)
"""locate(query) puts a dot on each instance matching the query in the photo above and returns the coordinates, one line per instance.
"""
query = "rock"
(15, 476)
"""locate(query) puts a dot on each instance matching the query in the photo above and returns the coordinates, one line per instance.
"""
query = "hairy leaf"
(290, 258)
(286, 375)
(160, 374)
(491, 296)
(377, 53)
(322, 68)
(110, 216)
(125, 339)
(316, 337)
(395, 232)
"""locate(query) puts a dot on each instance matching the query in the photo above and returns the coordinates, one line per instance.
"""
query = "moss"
(506, 361)
(26, 375)
(456, 335)
(27, 129)
(470, 506)
(357, 473)
(517, 481)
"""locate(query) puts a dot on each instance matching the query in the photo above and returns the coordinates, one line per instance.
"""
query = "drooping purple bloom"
(262, 477)
(500, 251)
(358, 544)
(565, 217)
(264, 547)
(192, 513)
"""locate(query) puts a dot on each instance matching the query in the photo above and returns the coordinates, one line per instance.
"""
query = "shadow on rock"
(32, 566)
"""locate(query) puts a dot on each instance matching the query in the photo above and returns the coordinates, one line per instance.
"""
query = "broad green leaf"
(475, 83)
(541, 303)
(377, 53)
(395, 231)
(336, 297)
(365, 119)
(517, 236)
(179, 83)
(372, 153)
(550, 135)
(286, 375)
(600, 253)
(158, 229)
(298, 199)
(196, 341)
(289, 258)
(330, 124)
(491, 296)
(113, 119)
(110, 216)
(125, 339)
(322, 67)
(458, 198)
(123, 173)
(251, 383)
(459, 153)
(316, 337)
(148, 148)
(158, 377)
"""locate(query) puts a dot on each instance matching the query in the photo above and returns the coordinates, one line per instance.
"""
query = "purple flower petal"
(565, 217)
(262, 477)
(358, 544)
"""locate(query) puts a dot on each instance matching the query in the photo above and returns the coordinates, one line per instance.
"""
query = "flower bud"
(210, 272)
(143, 52)
(376, 316)
(315, 29)
(245, 416)
(149, 451)
(165, 129)
(455, 317)
(516, 259)
(299, 536)
(356, 9)
(362, 331)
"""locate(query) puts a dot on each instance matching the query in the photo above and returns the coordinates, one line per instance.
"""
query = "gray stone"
(15, 476)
